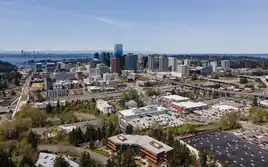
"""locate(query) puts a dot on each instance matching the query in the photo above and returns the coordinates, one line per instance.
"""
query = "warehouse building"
(225, 147)
(155, 151)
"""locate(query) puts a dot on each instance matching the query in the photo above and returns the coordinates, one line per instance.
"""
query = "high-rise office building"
(118, 50)
(225, 64)
(151, 62)
(122, 62)
(172, 64)
(131, 62)
(96, 55)
(163, 63)
(187, 62)
(183, 70)
(214, 66)
(105, 58)
(116, 65)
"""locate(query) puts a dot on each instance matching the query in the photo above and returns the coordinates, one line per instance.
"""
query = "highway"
(24, 96)
(217, 90)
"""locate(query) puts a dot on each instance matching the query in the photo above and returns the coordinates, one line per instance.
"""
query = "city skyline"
(174, 27)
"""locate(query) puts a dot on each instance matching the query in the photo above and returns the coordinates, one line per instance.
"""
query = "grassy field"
(104, 153)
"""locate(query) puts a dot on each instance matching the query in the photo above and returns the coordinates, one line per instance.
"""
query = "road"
(252, 126)
(102, 95)
(217, 90)
(100, 159)
(24, 96)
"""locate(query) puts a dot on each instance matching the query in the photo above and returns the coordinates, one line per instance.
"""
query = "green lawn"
(104, 153)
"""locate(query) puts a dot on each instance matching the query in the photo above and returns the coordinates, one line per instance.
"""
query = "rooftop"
(143, 141)
(47, 160)
(190, 104)
(176, 98)
(141, 111)
(226, 147)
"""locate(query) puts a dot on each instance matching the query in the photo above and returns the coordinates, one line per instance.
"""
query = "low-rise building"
(155, 151)
(104, 106)
(131, 104)
(48, 160)
(188, 106)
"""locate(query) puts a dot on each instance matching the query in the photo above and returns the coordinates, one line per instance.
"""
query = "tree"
(33, 139)
(49, 108)
(243, 80)
(26, 162)
(86, 161)
(173, 91)
(203, 158)
(60, 162)
(129, 129)
(5, 159)
(181, 156)
(194, 77)
(229, 121)
(76, 137)
(255, 101)
(93, 100)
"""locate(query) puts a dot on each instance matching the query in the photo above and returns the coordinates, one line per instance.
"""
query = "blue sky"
(170, 26)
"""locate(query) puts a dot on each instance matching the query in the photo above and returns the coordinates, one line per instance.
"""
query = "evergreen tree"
(60, 162)
(26, 162)
(49, 108)
(129, 129)
(5, 159)
(33, 139)
(86, 161)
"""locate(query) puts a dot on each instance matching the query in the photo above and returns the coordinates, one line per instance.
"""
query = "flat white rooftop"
(47, 160)
(176, 98)
(143, 141)
(190, 104)
(143, 110)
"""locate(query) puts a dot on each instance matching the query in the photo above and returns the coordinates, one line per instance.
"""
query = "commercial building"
(116, 65)
(214, 66)
(176, 98)
(225, 64)
(188, 106)
(226, 147)
(118, 50)
(110, 76)
(142, 62)
(102, 68)
(172, 63)
(38, 67)
(187, 62)
(50, 67)
(163, 63)
(43, 105)
(56, 93)
(104, 106)
(153, 62)
(154, 151)
(48, 160)
(131, 61)
(105, 58)
(183, 70)
(146, 117)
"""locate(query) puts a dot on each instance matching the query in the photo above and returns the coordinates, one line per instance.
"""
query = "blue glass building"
(118, 50)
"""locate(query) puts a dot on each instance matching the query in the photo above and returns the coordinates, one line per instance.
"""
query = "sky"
(163, 26)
